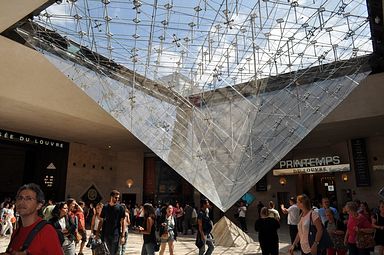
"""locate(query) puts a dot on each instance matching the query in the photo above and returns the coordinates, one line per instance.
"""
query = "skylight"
(214, 44)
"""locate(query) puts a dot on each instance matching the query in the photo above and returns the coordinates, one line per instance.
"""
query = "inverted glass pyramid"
(220, 91)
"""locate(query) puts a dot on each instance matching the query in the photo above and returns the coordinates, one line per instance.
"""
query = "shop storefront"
(318, 174)
(336, 171)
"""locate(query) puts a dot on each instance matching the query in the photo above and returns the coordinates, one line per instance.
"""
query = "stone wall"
(105, 169)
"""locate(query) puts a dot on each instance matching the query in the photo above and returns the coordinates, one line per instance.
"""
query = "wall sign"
(310, 162)
(360, 163)
(51, 166)
(312, 170)
(311, 165)
(28, 139)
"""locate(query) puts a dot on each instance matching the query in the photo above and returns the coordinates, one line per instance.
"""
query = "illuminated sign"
(27, 139)
(313, 170)
(310, 162)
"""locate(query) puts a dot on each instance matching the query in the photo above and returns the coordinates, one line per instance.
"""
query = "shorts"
(167, 238)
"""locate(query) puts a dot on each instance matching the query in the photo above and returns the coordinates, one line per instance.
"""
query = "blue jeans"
(211, 247)
(148, 249)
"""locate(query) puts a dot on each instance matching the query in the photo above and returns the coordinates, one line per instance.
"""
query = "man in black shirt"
(112, 223)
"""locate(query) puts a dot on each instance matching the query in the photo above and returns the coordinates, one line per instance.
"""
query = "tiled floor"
(186, 245)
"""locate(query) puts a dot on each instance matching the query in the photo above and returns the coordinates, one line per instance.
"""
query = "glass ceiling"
(220, 90)
(214, 44)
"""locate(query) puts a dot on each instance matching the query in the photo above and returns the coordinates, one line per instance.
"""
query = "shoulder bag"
(325, 241)
(365, 240)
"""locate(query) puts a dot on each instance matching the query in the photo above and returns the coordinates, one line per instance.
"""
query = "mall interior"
(54, 134)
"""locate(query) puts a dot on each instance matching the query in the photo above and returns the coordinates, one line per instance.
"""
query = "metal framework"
(220, 90)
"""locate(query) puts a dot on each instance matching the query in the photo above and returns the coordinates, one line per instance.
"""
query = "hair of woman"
(149, 211)
(352, 206)
(305, 201)
(264, 212)
(56, 210)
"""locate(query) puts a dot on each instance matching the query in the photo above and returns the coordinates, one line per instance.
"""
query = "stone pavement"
(186, 245)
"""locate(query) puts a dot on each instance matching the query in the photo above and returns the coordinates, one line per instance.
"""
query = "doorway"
(325, 186)
(12, 164)
(129, 199)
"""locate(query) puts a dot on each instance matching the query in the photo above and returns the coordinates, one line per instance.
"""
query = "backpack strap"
(32, 234)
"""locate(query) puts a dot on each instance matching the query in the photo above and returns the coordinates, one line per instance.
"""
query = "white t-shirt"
(242, 211)
(293, 215)
(62, 223)
(96, 225)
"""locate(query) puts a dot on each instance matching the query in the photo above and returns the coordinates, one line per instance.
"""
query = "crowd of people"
(67, 223)
(37, 227)
(322, 229)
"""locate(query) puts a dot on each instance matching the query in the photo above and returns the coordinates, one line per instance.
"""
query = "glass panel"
(220, 91)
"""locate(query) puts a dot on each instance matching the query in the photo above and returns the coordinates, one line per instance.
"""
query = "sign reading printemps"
(27, 139)
(326, 164)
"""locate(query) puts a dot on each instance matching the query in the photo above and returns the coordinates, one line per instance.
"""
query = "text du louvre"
(30, 140)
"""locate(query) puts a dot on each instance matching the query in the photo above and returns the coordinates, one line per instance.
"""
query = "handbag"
(325, 241)
(91, 242)
(157, 245)
(338, 241)
(100, 248)
(365, 240)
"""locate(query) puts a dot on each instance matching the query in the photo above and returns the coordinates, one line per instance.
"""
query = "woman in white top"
(8, 214)
(304, 203)
(168, 230)
(96, 218)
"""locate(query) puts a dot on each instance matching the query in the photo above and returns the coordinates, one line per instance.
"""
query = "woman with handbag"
(359, 235)
(308, 217)
(168, 230)
(378, 224)
(336, 230)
